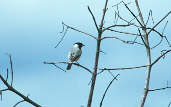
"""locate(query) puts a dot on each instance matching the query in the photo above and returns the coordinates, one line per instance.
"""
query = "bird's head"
(79, 44)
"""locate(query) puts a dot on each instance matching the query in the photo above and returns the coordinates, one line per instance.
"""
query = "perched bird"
(74, 54)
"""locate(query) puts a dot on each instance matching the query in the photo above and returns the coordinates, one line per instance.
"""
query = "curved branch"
(18, 103)
(115, 78)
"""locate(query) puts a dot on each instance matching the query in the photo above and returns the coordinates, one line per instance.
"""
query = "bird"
(74, 54)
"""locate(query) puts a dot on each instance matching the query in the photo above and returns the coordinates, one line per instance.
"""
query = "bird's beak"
(83, 45)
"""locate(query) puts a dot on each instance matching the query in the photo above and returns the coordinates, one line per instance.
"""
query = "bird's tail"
(69, 66)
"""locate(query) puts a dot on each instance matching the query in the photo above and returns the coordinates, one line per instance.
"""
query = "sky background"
(29, 30)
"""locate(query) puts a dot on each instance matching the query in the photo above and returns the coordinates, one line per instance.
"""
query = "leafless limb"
(159, 89)
(115, 78)
(127, 42)
(11, 67)
(136, 67)
(169, 104)
(93, 18)
(12, 89)
(77, 64)
(132, 13)
(7, 75)
(144, 41)
(150, 15)
(94, 74)
(80, 31)
(123, 25)
(129, 22)
(64, 31)
(18, 103)
(122, 32)
(104, 13)
(12, 72)
(54, 64)
(126, 68)
(160, 57)
(159, 22)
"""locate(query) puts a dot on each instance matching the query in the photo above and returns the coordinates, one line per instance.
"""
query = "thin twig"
(127, 42)
(159, 89)
(132, 14)
(164, 27)
(159, 22)
(127, 33)
(93, 18)
(112, 26)
(7, 75)
(149, 15)
(80, 31)
(107, 89)
(129, 22)
(64, 31)
(18, 103)
(136, 67)
(125, 68)
(12, 72)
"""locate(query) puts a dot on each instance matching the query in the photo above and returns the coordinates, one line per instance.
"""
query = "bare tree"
(9, 87)
(143, 32)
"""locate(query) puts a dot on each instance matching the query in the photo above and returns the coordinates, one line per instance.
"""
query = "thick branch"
(97, 56)
(10, 88)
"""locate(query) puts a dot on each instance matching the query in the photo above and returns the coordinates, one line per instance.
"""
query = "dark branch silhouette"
(12, 89)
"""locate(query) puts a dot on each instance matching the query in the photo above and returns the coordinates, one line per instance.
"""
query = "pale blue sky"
(28, 30)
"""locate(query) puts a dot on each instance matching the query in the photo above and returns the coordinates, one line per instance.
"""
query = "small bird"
(74, 54)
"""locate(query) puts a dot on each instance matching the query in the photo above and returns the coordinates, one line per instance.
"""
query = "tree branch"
(80, 31)
(18, 103)
(159, 89)
(136, 67)
(159, 22)
(94, 74)
(115, 78)
(93, 18)
(10, 88)
(127, 42)
(77, 64)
